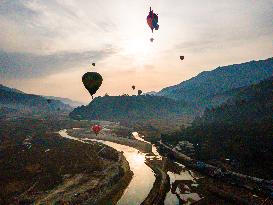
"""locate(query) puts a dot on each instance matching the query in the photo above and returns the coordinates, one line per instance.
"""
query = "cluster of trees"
(130, 108)
(240, 130)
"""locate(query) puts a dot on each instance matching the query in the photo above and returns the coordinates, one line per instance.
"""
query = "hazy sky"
(47, 45)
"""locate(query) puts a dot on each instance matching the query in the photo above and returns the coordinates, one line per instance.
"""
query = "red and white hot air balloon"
(96, 129)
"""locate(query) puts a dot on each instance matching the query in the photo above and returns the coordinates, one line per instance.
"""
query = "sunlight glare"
(138, 158)
(139, 49)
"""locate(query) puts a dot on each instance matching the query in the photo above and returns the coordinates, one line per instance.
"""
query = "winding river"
(177, 173)
(143, 178)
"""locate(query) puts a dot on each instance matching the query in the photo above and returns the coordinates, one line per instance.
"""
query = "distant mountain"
(210, 87)
(12, 99)
(67, 101)
(130, 108)
(2, 87)
(151, 93)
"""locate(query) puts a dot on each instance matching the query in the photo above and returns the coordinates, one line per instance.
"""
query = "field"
(36, 164)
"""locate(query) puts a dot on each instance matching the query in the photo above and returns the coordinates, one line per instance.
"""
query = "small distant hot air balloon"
(182, 57)
(92, 81)
(152, 39)
(133, 87)
(93, 64)
(96, 129)
(139, 92)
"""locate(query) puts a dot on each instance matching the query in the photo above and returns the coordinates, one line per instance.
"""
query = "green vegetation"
(240, 130)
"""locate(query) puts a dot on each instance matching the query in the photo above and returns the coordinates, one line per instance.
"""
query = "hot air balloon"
(152, 39)
(181, 57)
(92, 81)
(133, 87)
(96, 129)
(93, 64)
(139, 92)
(152, 20)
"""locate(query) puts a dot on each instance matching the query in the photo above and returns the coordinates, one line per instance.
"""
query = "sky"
(47, 45)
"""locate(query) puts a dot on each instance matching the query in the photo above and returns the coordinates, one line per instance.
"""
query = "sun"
(139, 49)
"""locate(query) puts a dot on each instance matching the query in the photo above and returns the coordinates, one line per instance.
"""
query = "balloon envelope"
(93, 64)
(96, 129)
(92, 81)
(134, 87)
(152, 20)
(181, 57)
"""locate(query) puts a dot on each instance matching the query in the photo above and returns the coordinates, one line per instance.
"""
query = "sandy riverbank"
(107, 135)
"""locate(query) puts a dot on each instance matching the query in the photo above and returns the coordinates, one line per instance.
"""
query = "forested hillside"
(240, 130)
(130, 108)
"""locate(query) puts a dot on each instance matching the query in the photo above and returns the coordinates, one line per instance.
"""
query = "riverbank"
(161, 185)
(107, 135)
(225, 184)
(118, 189)
(102, 188)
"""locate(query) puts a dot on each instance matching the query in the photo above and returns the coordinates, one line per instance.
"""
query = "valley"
(152, 149)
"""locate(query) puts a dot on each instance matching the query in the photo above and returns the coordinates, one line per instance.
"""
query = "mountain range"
(210, 88)
(191, 97)
(67, 101)
(16, 101)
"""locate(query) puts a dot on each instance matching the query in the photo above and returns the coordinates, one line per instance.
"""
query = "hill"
(210, 87)
(67, 101)
(252, 104)
(2, 87)
(130, 108)
(240, 130)
(15, 100)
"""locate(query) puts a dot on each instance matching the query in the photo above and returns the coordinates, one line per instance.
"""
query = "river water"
(143, 178)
